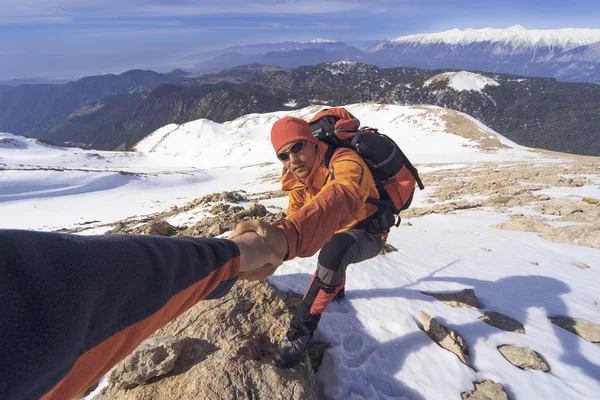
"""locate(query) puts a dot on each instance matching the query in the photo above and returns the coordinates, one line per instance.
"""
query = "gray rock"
(590, 331)
(445, 337)
(486, 390)
(582, 265)
(503, 322)
(523, 358)
(465, 298)
(388, 248)
(156, 356)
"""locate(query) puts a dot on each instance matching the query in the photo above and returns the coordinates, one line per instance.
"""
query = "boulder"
(503, 322)
(588, 330)
(445, 337)
(523, 358)
(226, 349)
(486, 390)
(465, 298)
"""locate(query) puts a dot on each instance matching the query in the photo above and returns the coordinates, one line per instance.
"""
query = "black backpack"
(394, 174)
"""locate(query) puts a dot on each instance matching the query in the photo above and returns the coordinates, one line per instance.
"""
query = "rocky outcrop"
(503, 322)
(445, 337)
(388, 248)
(523, 358)
(465, 298)
(220, 348)
(588, 330)
(486, 390)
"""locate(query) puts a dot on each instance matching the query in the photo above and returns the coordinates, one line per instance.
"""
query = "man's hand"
(257, 260)
(274, 236)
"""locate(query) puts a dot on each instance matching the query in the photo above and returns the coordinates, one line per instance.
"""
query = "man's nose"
(294, 157)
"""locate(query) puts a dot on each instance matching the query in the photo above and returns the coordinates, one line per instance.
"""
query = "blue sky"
(66, 38)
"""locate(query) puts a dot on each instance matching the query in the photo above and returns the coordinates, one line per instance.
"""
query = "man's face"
(299, 162)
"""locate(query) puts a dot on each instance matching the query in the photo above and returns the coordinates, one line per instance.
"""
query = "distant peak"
(321, 40)
(517, 27)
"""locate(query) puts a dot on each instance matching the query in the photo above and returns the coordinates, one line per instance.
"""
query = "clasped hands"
(262, 248)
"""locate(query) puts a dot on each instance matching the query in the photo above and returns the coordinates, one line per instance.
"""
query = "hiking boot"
(290, 352)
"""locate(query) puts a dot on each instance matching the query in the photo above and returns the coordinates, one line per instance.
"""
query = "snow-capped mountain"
(568, 54)
(515, 225)
(517, 37)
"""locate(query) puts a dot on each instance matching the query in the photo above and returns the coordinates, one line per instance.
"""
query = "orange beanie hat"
(290, 129)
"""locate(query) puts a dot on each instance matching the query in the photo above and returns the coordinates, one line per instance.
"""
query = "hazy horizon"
(69, 39)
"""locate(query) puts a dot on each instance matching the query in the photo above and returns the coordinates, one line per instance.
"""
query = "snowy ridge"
(376, 348)
(463, 80)
(321, 40)
(516, 36)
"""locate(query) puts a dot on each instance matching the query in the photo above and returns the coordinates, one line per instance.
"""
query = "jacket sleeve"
(73, 306)
(336, 206)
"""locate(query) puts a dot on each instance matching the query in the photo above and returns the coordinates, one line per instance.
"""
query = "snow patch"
(463, 80)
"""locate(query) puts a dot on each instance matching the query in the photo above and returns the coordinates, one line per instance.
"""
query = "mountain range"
(571, 55)
(116, 111)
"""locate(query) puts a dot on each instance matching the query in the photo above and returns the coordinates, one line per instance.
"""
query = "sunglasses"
(295, 149)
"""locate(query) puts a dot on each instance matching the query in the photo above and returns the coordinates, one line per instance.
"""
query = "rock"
(503, 322)
(445, 337)
(542, 197)
(486, 390)
(428, 201)
(523, 358)
(590, 331)
(157, 228)
(387, 248)
(156, 356)
(535, 263)
(589, 200)
(465, 298)
(229, 197)
(582, 265)
(443, 208)
(229, 352)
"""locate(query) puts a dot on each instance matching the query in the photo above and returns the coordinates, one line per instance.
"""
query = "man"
(74, 306)
(326, 203)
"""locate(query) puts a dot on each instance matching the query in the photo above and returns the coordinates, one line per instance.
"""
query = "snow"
(321, 40)
(516, 36)
(463, 80)
(377, 349)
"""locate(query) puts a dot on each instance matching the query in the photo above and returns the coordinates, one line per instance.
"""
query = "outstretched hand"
(274, 236)
(257, 260)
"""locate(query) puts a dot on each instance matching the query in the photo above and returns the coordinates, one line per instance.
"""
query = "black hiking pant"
(343, 249)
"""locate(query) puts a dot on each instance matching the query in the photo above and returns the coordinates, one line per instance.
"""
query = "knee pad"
(333, 252)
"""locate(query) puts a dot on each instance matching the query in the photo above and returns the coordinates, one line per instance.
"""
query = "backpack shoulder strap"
(328, 155)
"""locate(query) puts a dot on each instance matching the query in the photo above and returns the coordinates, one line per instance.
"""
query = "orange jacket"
(330, 200)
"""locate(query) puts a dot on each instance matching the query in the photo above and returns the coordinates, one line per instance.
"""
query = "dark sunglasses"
(295, 149)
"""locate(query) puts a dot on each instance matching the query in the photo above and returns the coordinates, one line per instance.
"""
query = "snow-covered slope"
(463, 80)
(515, 36)
(376, 347)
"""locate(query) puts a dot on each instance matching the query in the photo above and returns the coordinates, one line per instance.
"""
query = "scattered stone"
(388, 248)
(589, 200)
(446, 338)
(428, 201)
(407, 223)
(503, 322)
(465, 298)
(156, 356)
(523, 358)
(227, 353)
(490, 250)
(535, 263)
(156, 228)
(229, 197)
(542, 197)
(590, 331)
(582, 265)
(486, 390)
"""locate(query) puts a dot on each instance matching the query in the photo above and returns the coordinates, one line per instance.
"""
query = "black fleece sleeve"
(61, 295)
